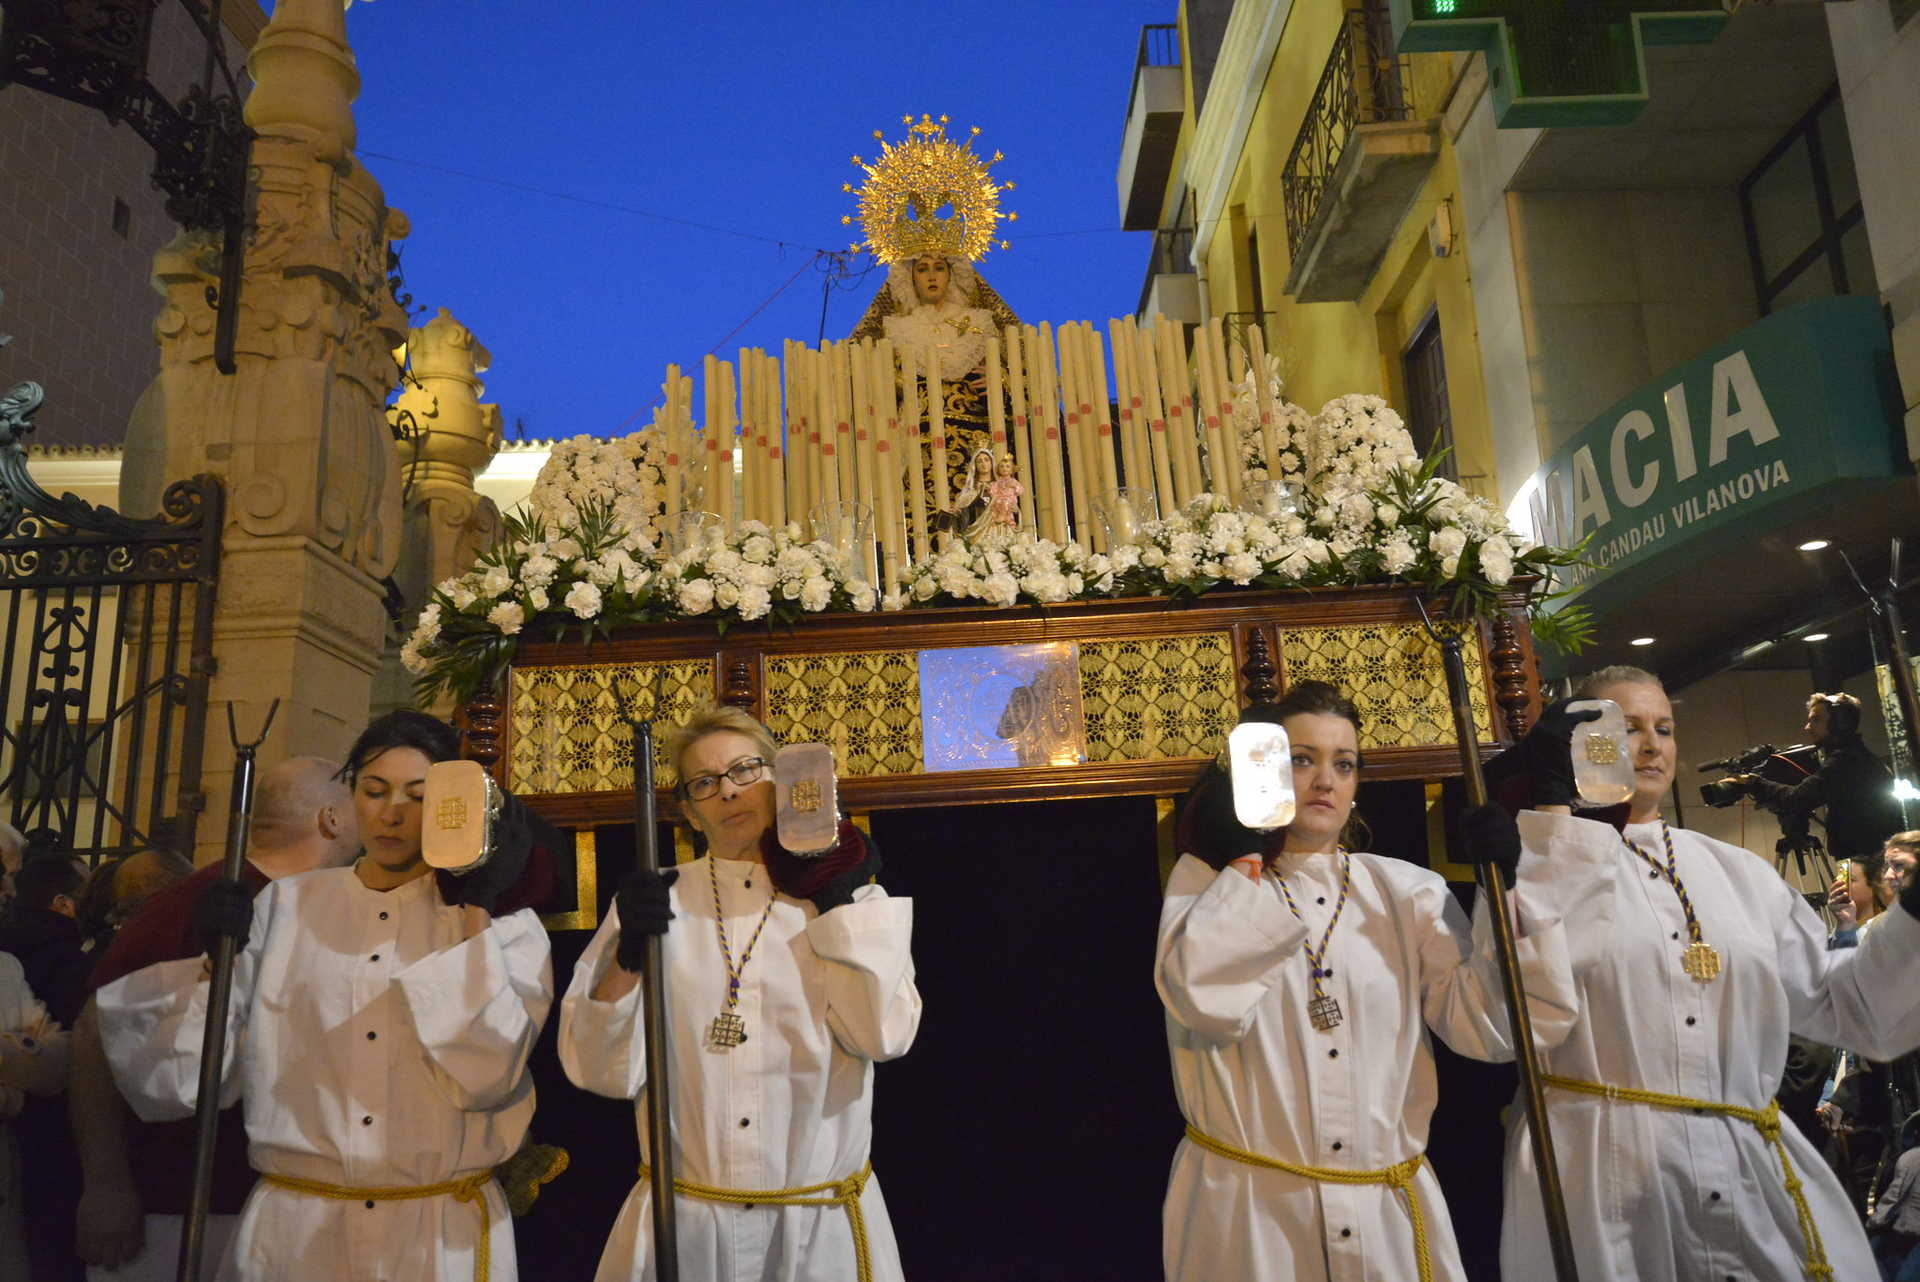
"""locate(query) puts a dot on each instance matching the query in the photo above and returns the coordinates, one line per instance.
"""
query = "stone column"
(449, 438)
(299, 433)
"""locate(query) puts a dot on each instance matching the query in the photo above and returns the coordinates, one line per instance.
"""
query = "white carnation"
(507, 616)
(584, 600)
(696, 596)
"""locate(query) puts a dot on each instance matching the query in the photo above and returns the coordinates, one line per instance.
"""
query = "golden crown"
(928, 194)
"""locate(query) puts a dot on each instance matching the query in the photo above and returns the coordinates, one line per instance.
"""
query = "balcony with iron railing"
(1362, 153)
(1152, 135)
(1172, 287)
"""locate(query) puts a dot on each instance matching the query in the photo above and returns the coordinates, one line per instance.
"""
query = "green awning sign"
(1557, 62)
(1797, 413)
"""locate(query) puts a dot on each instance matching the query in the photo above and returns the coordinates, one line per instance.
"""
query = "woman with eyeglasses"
(789, 978)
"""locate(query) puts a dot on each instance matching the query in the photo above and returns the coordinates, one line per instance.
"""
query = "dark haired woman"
(789, 980)
(1300, 978)
(379, 1032)
(1694, 962)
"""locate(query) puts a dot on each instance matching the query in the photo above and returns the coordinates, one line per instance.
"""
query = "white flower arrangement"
(599, 573)
(1289, 428)
(583, 555)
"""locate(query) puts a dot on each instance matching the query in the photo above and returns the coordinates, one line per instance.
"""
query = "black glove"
(1218, 835)
(224, 908)
(860, 864)
(1491, 837)
(1546, 754)
(644, 912)
(484, 886)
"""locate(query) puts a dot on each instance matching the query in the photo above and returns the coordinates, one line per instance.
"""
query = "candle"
(749, 433)
(670, 439)
(1102, 408)
(1263, 400)
(886, 459)
(823, 415)
(861, 355)
(1127, 399)
(937, 429)
(1022, 440)
(1075, 451)
(1048, 369)
(916, 470)
(1155, 416)
(996, 412)
(1221, 418)
(1183, 438)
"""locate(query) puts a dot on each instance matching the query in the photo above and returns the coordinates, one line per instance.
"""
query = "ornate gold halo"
(928, 194)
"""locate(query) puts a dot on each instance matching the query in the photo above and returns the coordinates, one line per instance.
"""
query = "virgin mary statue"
(940, 302)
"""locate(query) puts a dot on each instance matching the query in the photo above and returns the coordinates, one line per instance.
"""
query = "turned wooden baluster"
(1258, 671)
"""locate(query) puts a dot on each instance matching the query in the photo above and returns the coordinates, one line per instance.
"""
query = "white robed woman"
(381, 1022)
(1694, 962)
(1300, 978)
(789, 980)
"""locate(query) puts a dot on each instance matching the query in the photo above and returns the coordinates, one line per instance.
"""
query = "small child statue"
(1002, 516)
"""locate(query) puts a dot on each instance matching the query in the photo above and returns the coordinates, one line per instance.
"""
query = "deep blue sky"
(741, 115)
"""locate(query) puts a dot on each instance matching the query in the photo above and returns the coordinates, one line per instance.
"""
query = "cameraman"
(1854, 785)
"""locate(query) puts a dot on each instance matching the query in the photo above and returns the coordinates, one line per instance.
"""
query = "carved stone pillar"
(451, 437)
(299, 433)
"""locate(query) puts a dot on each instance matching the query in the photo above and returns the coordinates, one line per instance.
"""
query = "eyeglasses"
(743, 772)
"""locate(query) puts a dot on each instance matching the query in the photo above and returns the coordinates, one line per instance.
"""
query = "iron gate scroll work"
(108, 653)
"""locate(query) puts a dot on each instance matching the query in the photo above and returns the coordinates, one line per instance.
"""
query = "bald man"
(138, 1174)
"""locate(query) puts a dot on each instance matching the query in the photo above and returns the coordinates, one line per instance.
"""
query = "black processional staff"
(653, 1000)
(1884, 605)
(213, 1042)
(1493, 889)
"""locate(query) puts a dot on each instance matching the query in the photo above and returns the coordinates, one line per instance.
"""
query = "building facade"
(1690, 333)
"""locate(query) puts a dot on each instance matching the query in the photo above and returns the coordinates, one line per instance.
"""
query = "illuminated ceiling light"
(1814, 636)
(1641, 641)
(1813, 545)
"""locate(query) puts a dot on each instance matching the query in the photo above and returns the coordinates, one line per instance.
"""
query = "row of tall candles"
(834, 423)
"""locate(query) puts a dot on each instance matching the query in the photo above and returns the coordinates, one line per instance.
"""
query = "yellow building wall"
(1332, 349)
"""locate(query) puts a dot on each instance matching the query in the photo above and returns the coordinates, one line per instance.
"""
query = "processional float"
(1128, 447)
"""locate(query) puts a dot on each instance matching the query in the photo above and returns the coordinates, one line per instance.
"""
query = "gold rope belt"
(470, 1188)
(841, 1193)
(1765, 1120)
(1398, 1176)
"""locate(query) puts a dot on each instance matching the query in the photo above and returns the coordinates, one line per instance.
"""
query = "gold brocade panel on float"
(1158, 698)
(573, 733)
(865, 704)
(1393, 673)
(1158, 685)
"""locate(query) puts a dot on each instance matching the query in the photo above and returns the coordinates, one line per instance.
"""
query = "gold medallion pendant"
(1701, 961)
(727, 1031)
(1324, 1011)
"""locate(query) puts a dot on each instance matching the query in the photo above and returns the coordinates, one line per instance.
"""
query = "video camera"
(1781, 765)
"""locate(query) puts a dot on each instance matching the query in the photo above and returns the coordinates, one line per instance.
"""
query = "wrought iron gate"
(108, 651)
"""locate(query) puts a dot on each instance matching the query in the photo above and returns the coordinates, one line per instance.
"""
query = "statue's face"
(931, 277)
(1005, 469)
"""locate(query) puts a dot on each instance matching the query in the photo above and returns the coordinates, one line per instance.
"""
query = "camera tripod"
(1804, 847)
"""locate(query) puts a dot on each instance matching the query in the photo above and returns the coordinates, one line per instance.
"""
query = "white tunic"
(373, 1049)
(824, 998)
(1252, 1071)
(1658, 1196)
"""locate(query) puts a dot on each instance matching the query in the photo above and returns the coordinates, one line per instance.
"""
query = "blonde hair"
(716, 718)
(1618, 674)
